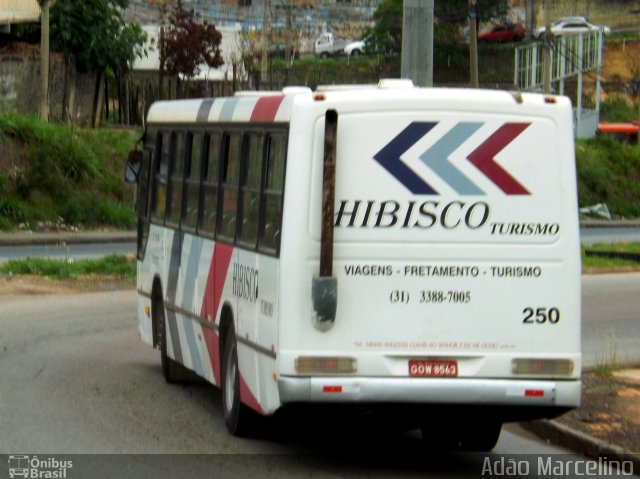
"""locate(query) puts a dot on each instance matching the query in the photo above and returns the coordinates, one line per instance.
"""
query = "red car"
(507, 32)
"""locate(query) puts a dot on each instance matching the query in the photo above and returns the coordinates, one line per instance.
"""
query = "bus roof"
(276, 106)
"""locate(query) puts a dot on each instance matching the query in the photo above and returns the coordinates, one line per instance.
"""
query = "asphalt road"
(611, 319)
(589, 236)
(76, 380)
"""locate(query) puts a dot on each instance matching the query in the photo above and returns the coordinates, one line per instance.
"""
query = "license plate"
(430, 368)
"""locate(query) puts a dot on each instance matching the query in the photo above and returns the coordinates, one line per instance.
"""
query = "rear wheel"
(481, 437)
(239, 419)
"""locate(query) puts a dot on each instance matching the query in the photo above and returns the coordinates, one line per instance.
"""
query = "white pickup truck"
(328, 45)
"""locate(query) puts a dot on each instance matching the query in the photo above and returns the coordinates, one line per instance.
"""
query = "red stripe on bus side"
(218, 270)
(266, 108)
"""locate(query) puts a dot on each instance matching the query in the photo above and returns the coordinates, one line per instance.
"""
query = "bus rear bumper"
(530, 392)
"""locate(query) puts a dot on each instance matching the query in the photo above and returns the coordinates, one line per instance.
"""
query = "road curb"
(85, 237)
(593, 223)
(580, 442)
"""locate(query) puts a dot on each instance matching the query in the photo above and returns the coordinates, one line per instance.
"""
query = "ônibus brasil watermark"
(33, 467)
(554, 467)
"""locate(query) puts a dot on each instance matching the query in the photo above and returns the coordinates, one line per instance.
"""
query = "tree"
(186, 44)
(96, 37)
(386, 35)
(44, 59)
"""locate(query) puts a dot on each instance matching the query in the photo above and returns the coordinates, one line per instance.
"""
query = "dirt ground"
(621, 61)
(30, 285)
(610, 410)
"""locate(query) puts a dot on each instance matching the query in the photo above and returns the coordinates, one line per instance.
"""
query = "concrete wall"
(19, 89)
(17, 11)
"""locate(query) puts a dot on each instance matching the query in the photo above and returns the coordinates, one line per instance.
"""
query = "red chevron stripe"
(211, 302)
(483, 158)
(266, 108)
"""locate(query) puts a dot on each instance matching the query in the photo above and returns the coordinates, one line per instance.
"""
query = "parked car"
(570, 25)
(505, 32)
(354, 48)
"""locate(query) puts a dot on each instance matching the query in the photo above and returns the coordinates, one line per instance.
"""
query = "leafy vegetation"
(609, 172)
(114, 265)
(95, 35)
(55, 174)
(186, 43)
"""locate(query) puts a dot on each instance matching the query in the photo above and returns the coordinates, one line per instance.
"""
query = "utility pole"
(44, 60)
(266, 27)
(417, 42)
(530, 15)
(473, 44)
(546, 50)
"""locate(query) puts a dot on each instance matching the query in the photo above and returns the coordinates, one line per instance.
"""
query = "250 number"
(540, 315)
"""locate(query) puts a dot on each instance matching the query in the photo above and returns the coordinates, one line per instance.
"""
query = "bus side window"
(210, 184)
(251, 173)
(272, 193)
(229, 183)
(175, 183)
(192, 182)
(159, 202)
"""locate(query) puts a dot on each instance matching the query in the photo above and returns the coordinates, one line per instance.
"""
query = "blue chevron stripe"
(389, 158)
(437, 158)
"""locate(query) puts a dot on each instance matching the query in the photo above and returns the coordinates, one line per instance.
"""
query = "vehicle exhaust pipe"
(324, 288)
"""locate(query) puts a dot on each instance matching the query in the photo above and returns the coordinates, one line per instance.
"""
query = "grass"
(59, 174)
(609, 172)
(597, 263)
(118, 266)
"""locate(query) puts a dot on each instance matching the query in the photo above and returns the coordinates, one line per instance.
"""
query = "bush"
(609, 172)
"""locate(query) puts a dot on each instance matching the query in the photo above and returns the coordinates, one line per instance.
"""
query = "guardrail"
(17, 11)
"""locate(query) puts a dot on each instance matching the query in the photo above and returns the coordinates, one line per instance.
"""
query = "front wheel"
(239, 419)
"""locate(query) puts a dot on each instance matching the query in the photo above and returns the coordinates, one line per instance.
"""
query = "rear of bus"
(456, 258)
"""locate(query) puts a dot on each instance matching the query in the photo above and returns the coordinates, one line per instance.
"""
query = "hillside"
(56, 177)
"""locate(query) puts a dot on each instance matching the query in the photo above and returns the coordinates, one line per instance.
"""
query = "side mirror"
(132, 168)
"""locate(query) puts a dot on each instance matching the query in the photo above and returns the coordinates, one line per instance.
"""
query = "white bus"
(386, 246)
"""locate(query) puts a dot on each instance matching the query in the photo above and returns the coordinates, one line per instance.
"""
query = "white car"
(570, 25)
(354, 48)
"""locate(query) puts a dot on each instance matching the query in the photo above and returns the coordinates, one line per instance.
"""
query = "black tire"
(239, 419)
(324, 55)
(441, 438)
(466, 435)
(172, 371)
(356, 53)
(481, 437)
